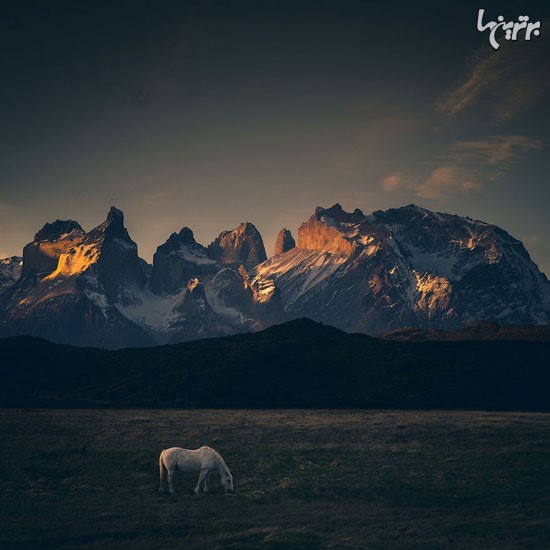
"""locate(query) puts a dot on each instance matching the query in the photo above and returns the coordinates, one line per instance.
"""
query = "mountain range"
(379, 273)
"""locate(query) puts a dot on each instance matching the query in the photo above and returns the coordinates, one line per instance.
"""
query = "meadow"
(303, 479)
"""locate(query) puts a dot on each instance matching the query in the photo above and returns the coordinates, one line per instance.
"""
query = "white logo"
(512, 28)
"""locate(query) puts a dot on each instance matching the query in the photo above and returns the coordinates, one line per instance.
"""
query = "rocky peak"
(115, 220)
(42, 255)
(176, 240)
(284, 242)
(10, 271)
(111, 228)
(108, 255)
(328, 230)
(338, 215)
(178, 260)
(58, 229)
(194, 304)
(243, 245)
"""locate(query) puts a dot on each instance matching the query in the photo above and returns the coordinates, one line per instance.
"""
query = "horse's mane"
(218, 456)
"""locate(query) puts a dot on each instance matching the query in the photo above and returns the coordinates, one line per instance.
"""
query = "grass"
(303, 479)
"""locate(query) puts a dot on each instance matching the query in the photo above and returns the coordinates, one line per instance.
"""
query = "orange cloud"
(465, 168)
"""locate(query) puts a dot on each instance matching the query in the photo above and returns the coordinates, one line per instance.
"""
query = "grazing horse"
(203, 460)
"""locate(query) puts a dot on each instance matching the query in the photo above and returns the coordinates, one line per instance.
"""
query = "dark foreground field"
(303, 479)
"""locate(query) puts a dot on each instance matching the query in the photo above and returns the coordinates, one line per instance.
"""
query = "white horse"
(203, 460)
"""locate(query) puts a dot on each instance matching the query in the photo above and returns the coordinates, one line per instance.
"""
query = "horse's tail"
(162, 470)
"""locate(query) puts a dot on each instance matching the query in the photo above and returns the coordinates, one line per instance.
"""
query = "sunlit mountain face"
(208, 114)
(218, 127)
(375, 273)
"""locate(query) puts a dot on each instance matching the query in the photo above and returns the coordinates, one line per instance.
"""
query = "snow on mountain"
(404, 267)
(177, 261)
(10, 271)
(75, 301)
(407, 267)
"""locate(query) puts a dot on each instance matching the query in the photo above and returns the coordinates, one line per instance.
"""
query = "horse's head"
(227, 482)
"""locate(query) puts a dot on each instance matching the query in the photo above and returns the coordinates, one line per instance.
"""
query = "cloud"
(465, 167)
(485, 73)
(501, 83)
(393, 182)
(498, 151)
(442, 182)
(446, 180)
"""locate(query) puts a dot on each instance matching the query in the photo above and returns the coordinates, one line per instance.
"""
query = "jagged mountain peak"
(40, 257)
(330, 229)
(372, 273)
(242, 245)
(10, 272)
(115, 214)
(177, 261)
(337, 214)
(112, 227)
(176, 240)
(284, 242)
(58, 229)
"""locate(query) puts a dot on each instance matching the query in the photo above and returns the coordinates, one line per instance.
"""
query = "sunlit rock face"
(284, 242)
(403, 267)
(331, 229)
(177, 261)
(266, 307)
(42, 254)
(407, 267)
(243, 245)
(107, 256)
(77, 302)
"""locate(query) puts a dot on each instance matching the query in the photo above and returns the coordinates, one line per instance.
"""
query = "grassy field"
(303, 479)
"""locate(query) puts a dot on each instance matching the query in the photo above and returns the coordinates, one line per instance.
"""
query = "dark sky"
(207, 114)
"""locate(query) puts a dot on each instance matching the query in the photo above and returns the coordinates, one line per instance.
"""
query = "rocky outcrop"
(195, 318)
(284, 242)
(77, 303)
(108, 257)
(243, 245)
(40, 257)
(10, 272)
(266, 307)
(328, 230)
(177, 261)
(407, 267)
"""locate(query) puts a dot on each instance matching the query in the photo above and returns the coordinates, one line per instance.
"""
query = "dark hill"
(483, 330)
(296, 364)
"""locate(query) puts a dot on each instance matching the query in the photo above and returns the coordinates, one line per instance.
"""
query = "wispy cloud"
(495, 151)
(442, 182)
(466, 167)
(485, 73)
(503, 83)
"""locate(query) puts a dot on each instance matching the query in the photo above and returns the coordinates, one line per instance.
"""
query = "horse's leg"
(201, 478)
(162, 469)
(206, 480)
(170, 480)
